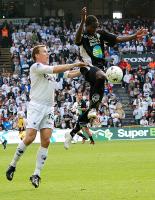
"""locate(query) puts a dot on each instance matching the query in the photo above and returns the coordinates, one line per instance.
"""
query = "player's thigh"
(91, 75)
(100, 74)
(35, 114)
(48, 120)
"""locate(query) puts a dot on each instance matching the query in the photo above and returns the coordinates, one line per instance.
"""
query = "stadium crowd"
(59, 38)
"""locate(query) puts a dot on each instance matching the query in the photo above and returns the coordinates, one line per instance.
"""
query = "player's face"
(43, 55)
(91, 29)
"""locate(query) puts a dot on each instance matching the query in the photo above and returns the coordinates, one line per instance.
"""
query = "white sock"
(1, 140)
(41, 157)
(19, 152)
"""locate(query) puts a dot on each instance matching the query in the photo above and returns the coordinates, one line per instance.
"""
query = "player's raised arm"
(138, 35)
(41, 57)
(72, 74)
(66, 67)
(78, 36)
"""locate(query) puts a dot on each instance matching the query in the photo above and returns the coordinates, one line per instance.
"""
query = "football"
(114, 74)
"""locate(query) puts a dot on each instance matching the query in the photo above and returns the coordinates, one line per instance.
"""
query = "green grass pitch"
(115, 170)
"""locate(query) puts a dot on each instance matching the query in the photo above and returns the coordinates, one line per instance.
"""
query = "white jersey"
(43, 83)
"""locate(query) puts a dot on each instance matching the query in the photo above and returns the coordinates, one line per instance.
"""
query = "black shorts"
(83, 119)
(90, 75)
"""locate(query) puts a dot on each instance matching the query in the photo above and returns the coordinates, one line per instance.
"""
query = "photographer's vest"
(5, 32)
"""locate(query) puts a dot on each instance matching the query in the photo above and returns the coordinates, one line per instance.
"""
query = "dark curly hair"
(91, 20)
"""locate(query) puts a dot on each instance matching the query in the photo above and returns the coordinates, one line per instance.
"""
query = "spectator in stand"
(7, 124)
(152, 119)
(141, 77)
(25, 67)
(110, 123)
(119, 110)
(152, 104)
(140, 48)
(153, 86)
(146, 102)
(137, 91)
(138, 114)
(126, 79)
(116, 119)
(57, 119)
(123, 64)
(10, 94)
(150, 74)
(152, 64)
(2, 97)
(5, 36)
(149, 45)
(106, 89)
(144, 121)
(125, 49)
(132, 48)
(147, 87)
(153, 39)
(103, 119)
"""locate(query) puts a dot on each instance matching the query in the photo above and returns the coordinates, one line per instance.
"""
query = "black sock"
(75, 130)
(96, 93)
(72, 133)
(81, 135)
(91, 138)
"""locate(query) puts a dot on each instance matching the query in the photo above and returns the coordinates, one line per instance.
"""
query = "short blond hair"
(36, 50)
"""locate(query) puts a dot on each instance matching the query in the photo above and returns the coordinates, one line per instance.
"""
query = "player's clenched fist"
(83, 14)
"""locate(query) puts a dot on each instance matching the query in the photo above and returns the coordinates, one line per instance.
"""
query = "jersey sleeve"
(43, 69)
(108, 37)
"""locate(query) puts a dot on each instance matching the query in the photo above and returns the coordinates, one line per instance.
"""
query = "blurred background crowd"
(139, 82)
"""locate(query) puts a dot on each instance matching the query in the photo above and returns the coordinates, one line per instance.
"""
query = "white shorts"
(40, 116)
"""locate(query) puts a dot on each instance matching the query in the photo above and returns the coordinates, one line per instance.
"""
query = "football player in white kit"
(3, 141)
(40, 112)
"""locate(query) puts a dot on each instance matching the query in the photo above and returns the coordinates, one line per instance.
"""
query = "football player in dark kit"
(81, 106)
(91, 44)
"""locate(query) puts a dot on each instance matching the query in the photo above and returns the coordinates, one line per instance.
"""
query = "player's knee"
(45, 142)
(28, 139)
(100, 75)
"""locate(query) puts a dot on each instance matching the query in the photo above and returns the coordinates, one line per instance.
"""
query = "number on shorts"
(51, 116)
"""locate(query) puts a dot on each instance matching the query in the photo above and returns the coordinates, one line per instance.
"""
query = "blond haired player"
(40, 112)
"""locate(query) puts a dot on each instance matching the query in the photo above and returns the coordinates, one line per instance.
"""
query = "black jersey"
(81, 105)
(92, 47)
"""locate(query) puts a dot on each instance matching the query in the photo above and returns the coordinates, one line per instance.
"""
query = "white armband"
(66, 74)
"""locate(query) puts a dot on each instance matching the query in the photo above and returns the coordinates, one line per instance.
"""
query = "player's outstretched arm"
(72, 74)
(78, 35)
(62, 68)
(138, 35)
